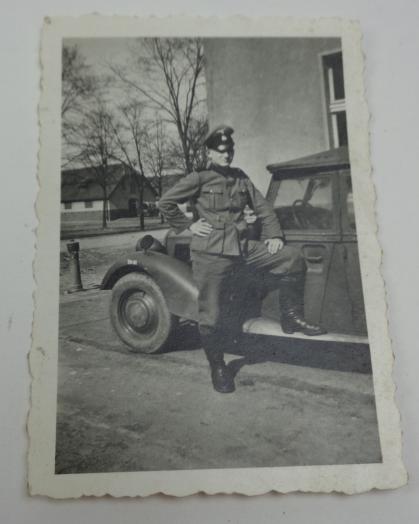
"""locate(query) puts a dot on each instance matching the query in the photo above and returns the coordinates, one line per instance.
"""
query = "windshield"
(305, 202)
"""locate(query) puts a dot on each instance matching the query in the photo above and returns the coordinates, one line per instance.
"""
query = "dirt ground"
(93, 265)
(296, 402)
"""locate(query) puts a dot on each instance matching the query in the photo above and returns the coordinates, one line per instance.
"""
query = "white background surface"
(391, 44)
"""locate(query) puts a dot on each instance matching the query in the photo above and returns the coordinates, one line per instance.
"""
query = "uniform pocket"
(213, 198)
(199, 243)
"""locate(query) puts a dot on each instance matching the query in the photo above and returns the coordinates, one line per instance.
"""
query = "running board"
(266, 326)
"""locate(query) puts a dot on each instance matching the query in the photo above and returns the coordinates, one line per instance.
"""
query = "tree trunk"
(105, 202)
(105, 194)
(140, 186)
(160, 186)
(186, 154)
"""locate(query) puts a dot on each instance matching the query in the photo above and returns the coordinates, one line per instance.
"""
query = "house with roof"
(83, 195)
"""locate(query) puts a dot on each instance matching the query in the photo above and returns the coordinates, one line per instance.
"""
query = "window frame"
(348, 233)
(335, 229)
(332, 105)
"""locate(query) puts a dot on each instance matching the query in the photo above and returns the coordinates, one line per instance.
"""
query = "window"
(335, 99)
(305, 203)
(67, 205)
(88, 204)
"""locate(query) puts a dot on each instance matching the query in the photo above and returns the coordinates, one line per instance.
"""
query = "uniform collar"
(223, 170)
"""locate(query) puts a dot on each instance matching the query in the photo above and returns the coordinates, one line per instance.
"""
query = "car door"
(306, 206)
(350, 255)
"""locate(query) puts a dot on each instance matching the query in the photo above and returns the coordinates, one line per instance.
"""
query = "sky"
(100, 53)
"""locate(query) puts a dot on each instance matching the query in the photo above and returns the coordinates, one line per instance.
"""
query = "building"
(82, 196)
(284, 97)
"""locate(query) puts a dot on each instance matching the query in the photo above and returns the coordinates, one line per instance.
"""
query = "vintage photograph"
(211, 310)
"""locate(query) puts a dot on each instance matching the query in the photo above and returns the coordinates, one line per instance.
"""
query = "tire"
(139, 314)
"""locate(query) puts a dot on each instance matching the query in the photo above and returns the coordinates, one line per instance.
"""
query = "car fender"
(173, 276)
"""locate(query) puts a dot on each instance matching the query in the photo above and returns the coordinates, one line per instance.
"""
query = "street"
(98, 253)
(296, 402)
(114, 239)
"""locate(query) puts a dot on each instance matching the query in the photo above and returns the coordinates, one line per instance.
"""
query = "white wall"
(271, 91)
(80, 206)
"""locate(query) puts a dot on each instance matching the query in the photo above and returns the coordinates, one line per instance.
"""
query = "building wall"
(118, 205)
(81, 217)
(77, 207)
(120, 197)
(79, 213)
(271, 91)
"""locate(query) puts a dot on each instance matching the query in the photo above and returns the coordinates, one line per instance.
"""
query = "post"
(74, 266)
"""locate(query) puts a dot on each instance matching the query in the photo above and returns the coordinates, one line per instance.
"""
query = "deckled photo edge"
(371, 258)
(42, 359)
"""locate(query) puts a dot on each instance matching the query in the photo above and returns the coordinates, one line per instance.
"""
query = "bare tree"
(197, 132)
(169, 78)
(156, 152)
(78, 84)
(79, 87)
(92, 143)
(157, 155)
(131, 136)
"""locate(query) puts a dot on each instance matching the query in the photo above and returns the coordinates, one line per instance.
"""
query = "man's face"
(221, 158)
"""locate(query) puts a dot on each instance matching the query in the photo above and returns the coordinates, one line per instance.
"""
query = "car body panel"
(173, 276)
(269, 327)
(333, 294)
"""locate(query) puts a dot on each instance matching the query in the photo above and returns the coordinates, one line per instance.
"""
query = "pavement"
(296, 402)
(126, 239)
(82, 229)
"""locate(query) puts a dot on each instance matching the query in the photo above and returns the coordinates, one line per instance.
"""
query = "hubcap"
(139, 312)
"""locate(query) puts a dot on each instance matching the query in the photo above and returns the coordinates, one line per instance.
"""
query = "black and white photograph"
(210, 265)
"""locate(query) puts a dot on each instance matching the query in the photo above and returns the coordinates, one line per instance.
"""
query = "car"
(150, 209)
(153, 288)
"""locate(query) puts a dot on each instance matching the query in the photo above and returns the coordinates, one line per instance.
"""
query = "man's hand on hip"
(201, 228)
(274, 245)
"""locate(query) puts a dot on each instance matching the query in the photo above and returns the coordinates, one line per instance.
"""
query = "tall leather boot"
(291, 301)
(221, 376)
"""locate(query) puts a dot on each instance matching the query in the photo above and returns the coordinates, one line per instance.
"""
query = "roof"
(328, 160)
(169, 181)
(82, 185)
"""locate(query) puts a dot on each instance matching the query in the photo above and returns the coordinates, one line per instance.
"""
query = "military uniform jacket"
(219, 195)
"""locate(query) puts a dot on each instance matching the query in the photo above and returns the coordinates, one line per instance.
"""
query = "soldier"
(220, 243)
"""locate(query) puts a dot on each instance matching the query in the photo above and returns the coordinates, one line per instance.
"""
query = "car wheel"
(139, 314)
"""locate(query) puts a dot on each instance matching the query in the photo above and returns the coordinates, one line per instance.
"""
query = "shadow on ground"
(256, 349)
